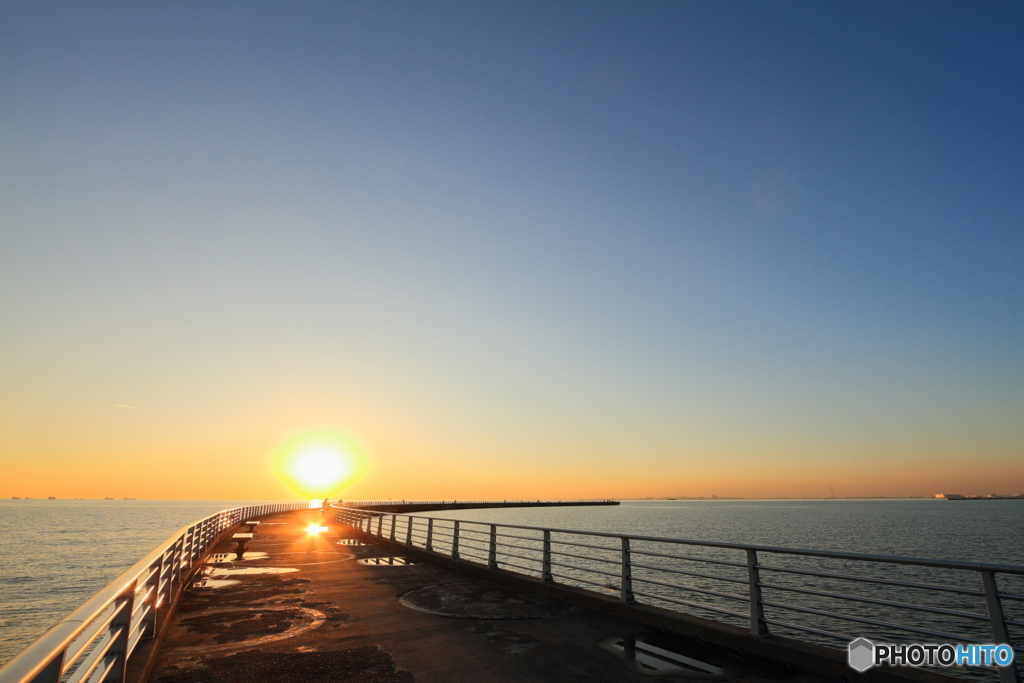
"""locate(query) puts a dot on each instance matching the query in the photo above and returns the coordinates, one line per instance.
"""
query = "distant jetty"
(957, 496)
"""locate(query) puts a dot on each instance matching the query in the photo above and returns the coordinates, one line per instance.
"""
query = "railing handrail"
(833, 554)
(31, 662)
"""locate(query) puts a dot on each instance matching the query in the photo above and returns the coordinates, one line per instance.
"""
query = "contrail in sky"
(118, 405)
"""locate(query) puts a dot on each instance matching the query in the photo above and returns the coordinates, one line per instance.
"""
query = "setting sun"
(319, 465)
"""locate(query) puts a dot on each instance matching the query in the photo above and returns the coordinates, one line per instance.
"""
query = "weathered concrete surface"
(322, 616)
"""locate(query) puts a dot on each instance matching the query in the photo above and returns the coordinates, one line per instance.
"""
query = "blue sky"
(746, 245)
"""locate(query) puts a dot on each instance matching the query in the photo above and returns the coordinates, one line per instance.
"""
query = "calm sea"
(57, 553)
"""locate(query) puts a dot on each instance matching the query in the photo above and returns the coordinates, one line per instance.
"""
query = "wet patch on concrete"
(230, 572)
(474, 600)
(661, 654)
(359, 665)
(230, 628)
(209, 582)
(513, 643)
(255, 590)
(353, 541)
(665, 656)
(228, 558)
(387, 561)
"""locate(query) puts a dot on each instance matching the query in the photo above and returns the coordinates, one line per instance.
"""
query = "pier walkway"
(333, 607)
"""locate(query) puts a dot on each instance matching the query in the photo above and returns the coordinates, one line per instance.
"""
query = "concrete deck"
(304, 607)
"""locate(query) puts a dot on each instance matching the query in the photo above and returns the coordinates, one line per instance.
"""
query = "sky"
(513, 249)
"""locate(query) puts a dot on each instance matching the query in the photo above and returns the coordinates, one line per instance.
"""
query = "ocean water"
(56, 554)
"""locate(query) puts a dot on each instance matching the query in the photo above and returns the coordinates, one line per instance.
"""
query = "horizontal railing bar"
(520, 547)
(682, 571)
(873, 622)
(463, 556)
(585, 557)
(101, 672)
(871, 579)
(698, 605)
(525, 559)
(706, 591)
(651, 553)
(518, 566)
(93, 659)
(576, 578)
(776, 622)
(589, 571)
(877, 601)
(555, 541)
(88, 636)
(523, 538)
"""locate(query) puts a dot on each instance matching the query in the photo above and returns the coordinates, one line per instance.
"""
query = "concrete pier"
(308, 604)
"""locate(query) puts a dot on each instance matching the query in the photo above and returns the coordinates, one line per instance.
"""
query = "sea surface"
(54, 554)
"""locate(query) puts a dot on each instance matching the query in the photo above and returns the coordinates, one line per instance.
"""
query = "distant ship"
(15, 498)
(50, 498)
(128, 499)
(108, 498)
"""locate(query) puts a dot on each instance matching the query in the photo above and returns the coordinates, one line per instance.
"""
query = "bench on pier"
(252, 524)
(242, 540)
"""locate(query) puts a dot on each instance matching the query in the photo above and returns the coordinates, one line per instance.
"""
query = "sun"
(320, 464)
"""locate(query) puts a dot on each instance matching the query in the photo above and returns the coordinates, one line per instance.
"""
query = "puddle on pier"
(353, 541)
(387, 561)
(219, 573)
(478, 600)
(228, 558)
(661, 654)
(221, 576)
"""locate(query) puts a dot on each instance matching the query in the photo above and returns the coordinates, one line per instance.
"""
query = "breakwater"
(409, 506)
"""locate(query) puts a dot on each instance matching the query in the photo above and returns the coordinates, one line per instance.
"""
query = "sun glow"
(319, 465)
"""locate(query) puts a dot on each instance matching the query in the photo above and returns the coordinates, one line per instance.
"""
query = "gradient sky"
(524, 249)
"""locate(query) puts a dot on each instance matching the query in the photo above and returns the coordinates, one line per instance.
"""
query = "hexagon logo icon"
(861, 654)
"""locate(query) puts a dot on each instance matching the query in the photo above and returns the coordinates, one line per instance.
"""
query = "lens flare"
(319, 465)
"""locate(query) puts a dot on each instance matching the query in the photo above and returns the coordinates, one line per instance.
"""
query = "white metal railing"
(807, 594)
(94, 643)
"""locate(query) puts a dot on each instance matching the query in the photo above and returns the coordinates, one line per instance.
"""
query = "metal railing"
(94, 643)
(806, 594)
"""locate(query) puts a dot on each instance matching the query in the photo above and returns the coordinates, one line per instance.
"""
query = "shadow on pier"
(406, 506)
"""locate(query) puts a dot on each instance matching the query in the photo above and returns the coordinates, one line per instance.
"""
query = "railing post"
(122, 621)
(492, 549)
(545, 568)
(380, 523)
(153, 588)
(393, 522)
(1007, 674)
(627, 573)
(455, 541)
(51, 672)
(430, 534)
(408, 530)
(758, 626)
